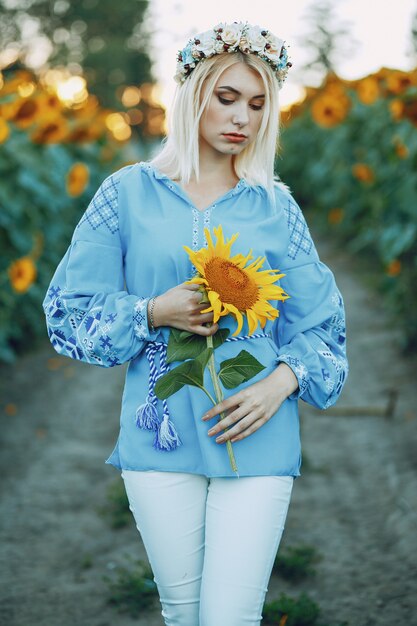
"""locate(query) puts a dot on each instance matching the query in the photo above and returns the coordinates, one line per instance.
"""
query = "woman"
(123, 284)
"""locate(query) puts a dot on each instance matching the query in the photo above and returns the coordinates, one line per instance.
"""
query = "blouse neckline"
(176, 187)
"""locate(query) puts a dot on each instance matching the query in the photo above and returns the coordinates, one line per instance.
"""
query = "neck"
(216, 167)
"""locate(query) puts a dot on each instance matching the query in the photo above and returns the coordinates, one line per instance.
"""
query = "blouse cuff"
(140, 321)
(300, 371)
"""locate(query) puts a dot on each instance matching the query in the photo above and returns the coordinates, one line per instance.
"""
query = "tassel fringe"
(147, 416)
(166, 437)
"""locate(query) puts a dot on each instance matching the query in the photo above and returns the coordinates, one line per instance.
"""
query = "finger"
(203, 318)
(206, 331)
(228, 403)
(229, 420)
(239, 431)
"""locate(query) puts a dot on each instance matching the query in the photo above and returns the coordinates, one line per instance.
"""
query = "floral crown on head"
(234, 37)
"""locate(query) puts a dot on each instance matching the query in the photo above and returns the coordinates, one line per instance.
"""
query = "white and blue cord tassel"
(166, 437)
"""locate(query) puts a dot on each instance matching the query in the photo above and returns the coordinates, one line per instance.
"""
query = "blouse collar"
(175, 186)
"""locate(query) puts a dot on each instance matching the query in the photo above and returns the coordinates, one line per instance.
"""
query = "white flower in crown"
(256, 39)
(230, 33)
(273, 47)
(219, 44)
(205, 43)
(231, 38)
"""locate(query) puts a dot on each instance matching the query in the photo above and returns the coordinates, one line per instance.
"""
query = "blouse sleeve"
(89, 314)
(310, 331)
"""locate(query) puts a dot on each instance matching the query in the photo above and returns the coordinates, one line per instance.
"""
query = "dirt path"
(356, 500)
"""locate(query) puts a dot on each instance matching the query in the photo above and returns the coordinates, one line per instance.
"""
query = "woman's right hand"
(180, 307)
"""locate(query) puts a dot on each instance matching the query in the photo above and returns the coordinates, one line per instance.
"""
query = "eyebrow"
(238, 92)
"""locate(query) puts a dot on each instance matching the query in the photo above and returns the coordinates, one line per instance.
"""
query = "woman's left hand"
(252, 407)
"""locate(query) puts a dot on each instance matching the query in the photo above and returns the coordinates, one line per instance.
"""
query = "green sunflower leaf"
(189, 373)
(243, 367)
(183, 345)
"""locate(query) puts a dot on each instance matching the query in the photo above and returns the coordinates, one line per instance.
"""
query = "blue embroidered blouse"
(127, 247)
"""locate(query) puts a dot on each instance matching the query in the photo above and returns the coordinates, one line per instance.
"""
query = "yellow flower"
(394, 268)
(23, 112)
(11, 85)
(77, 179)
(234, 287)
(400, 148)
(4, 130)
(398, 81)
(335, 216)
(329, 110)
(84, 133)
(396, 108)
(368, 90)
(22, 273)
(49, 105)
(55, 131)
(363, 172)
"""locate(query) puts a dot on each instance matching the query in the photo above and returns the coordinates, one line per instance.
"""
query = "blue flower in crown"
(187, 56)
(237, 36)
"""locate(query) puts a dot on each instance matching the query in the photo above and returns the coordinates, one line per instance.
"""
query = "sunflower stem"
(207, 394)
(219, 397)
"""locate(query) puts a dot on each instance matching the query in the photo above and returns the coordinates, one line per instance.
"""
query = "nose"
(241, 116)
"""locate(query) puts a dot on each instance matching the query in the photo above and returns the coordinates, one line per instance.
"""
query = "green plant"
(42, 197)
(133, 590)
(87, 561)
(301, 611)
(296, 562)
(358, 180)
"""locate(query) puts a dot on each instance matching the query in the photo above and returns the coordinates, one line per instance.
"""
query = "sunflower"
(329, 109)
(77, 179)
(234, 287)
(336, 215)
(22, 273)
(368, 90)
(394, 268)
(363, 172)
(55, 131)
(4, 130)
(400, 148)
(398, 81)
(396, 107)
(23, 112)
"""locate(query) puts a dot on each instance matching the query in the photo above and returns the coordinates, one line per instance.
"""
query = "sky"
(380, 33)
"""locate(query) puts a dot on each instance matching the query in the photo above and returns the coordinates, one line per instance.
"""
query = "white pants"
(211, 542)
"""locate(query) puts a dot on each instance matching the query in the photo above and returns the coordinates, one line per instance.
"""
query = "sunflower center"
(231, 283)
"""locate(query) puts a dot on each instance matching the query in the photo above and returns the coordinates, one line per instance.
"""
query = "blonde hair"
(179, 156)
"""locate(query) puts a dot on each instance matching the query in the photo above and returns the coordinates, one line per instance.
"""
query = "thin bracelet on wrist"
(151, 313)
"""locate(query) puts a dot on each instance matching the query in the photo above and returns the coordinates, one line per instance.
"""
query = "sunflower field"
(349, 154)
(53, 157)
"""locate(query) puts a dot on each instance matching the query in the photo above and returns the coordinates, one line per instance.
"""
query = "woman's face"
(236, 108)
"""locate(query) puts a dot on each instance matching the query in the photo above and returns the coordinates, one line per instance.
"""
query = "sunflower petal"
(238, 315)
(216, 305)
(252, 320)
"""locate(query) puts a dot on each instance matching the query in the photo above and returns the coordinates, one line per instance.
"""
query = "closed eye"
(226, 101)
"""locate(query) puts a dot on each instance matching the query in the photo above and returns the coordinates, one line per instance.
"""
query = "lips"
(235, 135)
